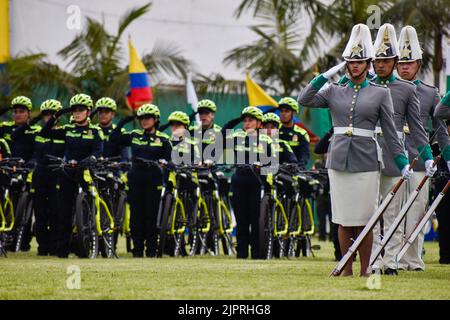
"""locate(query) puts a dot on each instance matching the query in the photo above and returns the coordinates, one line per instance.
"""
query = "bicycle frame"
(98, 202)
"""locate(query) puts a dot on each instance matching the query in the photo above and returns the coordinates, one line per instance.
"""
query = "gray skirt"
(354, 196)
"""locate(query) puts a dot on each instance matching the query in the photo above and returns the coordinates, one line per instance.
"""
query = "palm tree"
(335, 20)
(274, 57)
(95, 57)
(31, 75)
(431, 20)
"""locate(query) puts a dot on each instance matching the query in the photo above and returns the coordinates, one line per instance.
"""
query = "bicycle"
(213, 220)
(301, 220)
(16, 207)
(111, 186)
(273, 220)
(92, 216)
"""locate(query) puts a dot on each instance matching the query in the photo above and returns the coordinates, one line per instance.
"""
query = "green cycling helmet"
(51, 105)
(81, 99)
(179, 116)
(207, 104)
(289, 102)
(271, 117)
(22, 101)
(148, 109)
(106, 103)
(252, 112)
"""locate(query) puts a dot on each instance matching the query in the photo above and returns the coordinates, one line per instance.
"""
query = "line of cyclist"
(54, 193)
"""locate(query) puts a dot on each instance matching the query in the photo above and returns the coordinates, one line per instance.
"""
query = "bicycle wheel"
(87, 235)
(266, 238)
(23, 215)
(179, 219)
(106, 245)
(119, 216)
(165, 211)
(119, 212)
(200, 221)
(227, 238)
(280, 241)
(212, 238)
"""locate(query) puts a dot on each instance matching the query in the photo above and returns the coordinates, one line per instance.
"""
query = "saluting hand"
(334, 70)
(59, 113)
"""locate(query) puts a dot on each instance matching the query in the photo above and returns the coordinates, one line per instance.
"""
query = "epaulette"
(265, 137)
(406, 81)
(162, 135)
(428, 85)
(7, 123)
(239, 133)
(377, 85)
(300, 130)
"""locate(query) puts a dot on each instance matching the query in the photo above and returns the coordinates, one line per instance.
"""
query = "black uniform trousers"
(144, 196)
(68, 190)
(246, 200)
(45, 209)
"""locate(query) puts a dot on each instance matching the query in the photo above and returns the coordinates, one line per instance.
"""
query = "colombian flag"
(140, 90)
(259, 98)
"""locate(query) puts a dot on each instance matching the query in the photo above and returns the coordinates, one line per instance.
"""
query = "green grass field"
(26, 276)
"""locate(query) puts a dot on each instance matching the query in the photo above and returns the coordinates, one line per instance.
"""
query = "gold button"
(350, 117)
(354, 96)
(353, 102)
(350, 125)
(351, 109)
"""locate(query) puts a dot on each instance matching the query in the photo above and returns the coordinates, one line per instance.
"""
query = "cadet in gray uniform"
(408, 66)
(354, 160)
(406, 110)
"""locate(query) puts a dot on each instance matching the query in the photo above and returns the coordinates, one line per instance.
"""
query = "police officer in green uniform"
(82, 140)
(44, 179)
(280, 148)
(208, 131)
(106, 108)
(249, 146)
(185, 149)
(297, 137)
(21, 147)
(144, 182)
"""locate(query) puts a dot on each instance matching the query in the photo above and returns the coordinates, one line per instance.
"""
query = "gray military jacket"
(406, 110)
(429, 98)
(358, 106)
(443, 108)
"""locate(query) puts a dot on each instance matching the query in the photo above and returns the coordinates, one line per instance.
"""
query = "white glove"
(430, 168)
(407, 172)
(330, 73)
